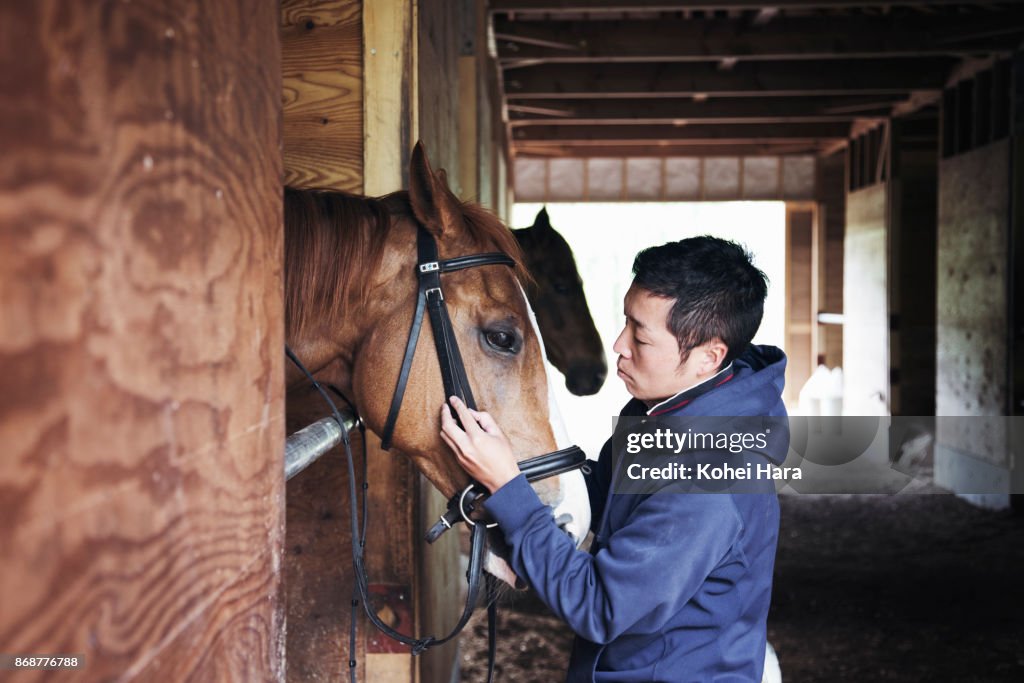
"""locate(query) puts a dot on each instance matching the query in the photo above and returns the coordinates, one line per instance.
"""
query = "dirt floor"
(867, 588)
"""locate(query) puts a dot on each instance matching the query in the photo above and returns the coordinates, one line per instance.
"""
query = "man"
(676, 586)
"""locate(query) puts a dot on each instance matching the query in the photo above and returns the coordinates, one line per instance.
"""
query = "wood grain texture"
(140, 333)
(322, 69)
(390, 102)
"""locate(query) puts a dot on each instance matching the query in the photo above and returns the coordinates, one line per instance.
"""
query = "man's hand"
(482, 449)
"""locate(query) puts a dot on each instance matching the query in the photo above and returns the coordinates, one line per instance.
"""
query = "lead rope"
(361, 590)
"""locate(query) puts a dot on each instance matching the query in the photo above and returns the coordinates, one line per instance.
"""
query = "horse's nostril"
(585, 380)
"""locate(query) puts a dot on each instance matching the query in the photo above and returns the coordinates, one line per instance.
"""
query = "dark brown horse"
(556, 294)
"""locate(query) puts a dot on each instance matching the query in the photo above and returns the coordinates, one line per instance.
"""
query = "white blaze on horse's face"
(571, 505)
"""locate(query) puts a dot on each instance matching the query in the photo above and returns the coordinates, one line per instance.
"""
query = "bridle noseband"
(430, 298)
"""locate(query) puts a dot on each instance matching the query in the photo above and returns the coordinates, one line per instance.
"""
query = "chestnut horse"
(350, 290)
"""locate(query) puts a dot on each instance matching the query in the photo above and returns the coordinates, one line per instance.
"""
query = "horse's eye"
(502, 340)
(563, 287)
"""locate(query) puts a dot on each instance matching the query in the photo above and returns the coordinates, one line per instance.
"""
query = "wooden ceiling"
(736, 77)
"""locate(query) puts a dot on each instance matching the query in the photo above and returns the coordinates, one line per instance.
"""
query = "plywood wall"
(972, 317)
(141, 429)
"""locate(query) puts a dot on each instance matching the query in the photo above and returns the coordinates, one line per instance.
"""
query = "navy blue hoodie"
(676, 587)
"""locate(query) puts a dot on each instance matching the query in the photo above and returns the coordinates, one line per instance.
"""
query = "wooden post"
(141, 364)
(391, 115)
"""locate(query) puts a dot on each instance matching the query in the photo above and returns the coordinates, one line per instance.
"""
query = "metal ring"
(462, 510)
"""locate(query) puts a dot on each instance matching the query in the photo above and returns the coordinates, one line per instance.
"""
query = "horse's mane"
(334, 240)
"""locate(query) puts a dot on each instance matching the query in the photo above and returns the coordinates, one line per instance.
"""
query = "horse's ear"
(542, 220)
(432, 202)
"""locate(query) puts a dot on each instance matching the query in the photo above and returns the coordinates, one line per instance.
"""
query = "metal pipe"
(302, 448)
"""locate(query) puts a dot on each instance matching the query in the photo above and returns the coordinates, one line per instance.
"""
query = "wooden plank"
(392, 112)
(390, 94)
(437, 64)
(469, 142)
(672, 39)
(321, 56)
(800, 316)
(140, 343)
(554, 149)
(750, 79)
(703, 133)
(711, 110)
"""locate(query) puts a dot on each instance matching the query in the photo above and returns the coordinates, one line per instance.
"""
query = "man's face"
(649, 359)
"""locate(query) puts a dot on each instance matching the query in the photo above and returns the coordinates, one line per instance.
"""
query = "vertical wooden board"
(799, 312)
(390, 94)
(439, 581)
(322, 73)
(830, 192)
(469, 143)
(438, 73)
(866, 303)
(140, 336)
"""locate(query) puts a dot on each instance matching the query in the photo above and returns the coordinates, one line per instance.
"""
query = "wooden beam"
(694, 132)
(711, 110)
(811, 37)
(554, 149)
(597, 6)
(756, 79)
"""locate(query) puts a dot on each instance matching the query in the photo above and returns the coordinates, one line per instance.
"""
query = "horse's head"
(491, 320)
(570, 336)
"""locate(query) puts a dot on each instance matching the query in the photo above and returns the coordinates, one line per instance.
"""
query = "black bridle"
(430, 298)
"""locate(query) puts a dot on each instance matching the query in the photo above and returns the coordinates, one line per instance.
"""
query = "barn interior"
(148, 525)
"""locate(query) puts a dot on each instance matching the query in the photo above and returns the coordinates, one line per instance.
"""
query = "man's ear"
(713, 353)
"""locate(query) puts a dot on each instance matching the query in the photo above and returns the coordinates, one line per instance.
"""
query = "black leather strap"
(430, 296)
(403, 374)
(553, 464)
(474, 260)
(535, 469)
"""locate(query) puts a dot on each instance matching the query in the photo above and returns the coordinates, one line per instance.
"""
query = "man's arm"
(647, 571)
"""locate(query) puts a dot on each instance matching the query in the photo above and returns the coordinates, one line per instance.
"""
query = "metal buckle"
(429, 267)
(440, 294)
(465, 515)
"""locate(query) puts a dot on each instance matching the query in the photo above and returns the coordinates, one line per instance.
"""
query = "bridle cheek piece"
(430, 298)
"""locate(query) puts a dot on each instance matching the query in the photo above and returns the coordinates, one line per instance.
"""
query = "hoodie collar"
(686, 395)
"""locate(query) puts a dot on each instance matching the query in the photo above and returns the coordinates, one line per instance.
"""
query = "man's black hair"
(717, 290)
